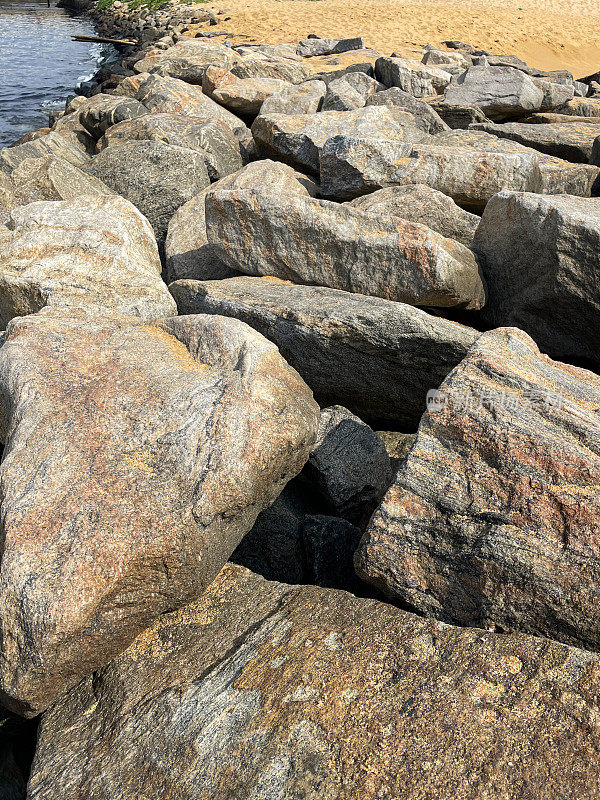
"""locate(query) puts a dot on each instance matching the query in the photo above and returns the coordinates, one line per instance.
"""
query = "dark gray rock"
(457, 116)
(316, 46)
(500, 92)
(421, 110)
(375, 357)
(570, 142)
(104, 110)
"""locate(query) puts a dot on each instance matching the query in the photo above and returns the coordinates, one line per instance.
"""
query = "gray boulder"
(420, 203)
(188, 60)
(52, 144)
(305, 240)
(265, 66)
(104, 110)
(375, 357)
(156, 177)
(500, 92)
(51, 178)
(395, 97)
(411, 76)
(540, 259)
(315, 46)
(457, 116)
(303, 98)
(241, 95)
(570, 142)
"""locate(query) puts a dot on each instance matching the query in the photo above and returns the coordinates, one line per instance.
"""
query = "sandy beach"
(549, 34)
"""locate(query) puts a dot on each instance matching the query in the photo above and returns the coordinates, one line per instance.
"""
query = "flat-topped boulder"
(413, 77)
(312, 241)
(188, 60)
(492, 519)
(241, 95)
(500, 92)
(316, 46)
(91, 251)
(303, 98)
(572, 142)
(540, 257)
(396, 97)
(136, 457)
(376, 357)
(52, 144)
(52, 178)
(309, 692)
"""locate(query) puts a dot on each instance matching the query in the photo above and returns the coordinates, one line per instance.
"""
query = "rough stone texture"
(177, 97)
(188, 60)
(319, 242)
(395, 97)
(325, 47)
(267, 690)
(349, 465)
(129, 86)
(51, 178)
(493, 519)
(570, 142)
(581, 107)
(89, 251)
(457, 116)
(411, 76)
(241, 95)
(376, 357)
(299, 139)
(188, 252)
(547, 117)
(595, 155)
(555, 94)
(104, 110)
(295, 542)
(443, 58)
(420, 203)
(351, 166)
(52, 144)
(541, 260)
(156, 177)
(212, 138)
(202, 423)
(304, 98)
(284, 69)
(500, 92)
(341, 96)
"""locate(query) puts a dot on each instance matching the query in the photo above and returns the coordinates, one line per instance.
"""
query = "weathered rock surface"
(299, 139)
(377, 358)
(348, 464)
(541, 260)
(319, 242)
(395, 97)
(492, 519)
(303, 98)
(156, 177)
(158, 447)
(262, 687)
(241, 95)
(350, 167)
(456, 116)
(411, 76)
(265, 66)
(315, 46)
(89, 251)
(98, 113)
(51, 178)
(212, 138)
(581, 107)
(342, 96)
(188, 252)
(188, 60)
(52, 144)
(173, 96)
(570, 142)
(500, 92)
(420, 203)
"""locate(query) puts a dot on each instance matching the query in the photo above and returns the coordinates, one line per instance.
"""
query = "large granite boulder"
(52, 144)
(305, 240)
(263, 65)
(188, 251)
(376, 357)
(316, 46)
(492, 518)
(188, 60)
(540, 257)
(136, 457)
(500, 92)
(100, 112)
(156, 177)
(581, 107)
(241, 95)
(212, 138)
(395, 97)
(92, 251)
(411, 76)
(300, 138)
(420, 203)
(51, 178)
(572, 142)
(262, 690)
(303, 98)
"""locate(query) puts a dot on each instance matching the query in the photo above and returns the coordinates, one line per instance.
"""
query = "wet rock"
(299, 139)
(159, 445)
(241, 95)
(188, 60)
(314, 241)
(156, 177)
(263, 687)
(188, 252)
(420, 203)
(213, 139)
(540, 259)
(411, 76)
(421, 110)
(375, 357)
(500, 92)
(90, 251)
(485, 523)
(52, 144)
(303, 98)
(570, 142)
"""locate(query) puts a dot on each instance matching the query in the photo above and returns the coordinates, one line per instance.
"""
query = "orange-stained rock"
(263, 690)
(136, 458)
(494, 517)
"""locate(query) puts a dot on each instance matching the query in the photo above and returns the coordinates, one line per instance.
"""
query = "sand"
(549, 34)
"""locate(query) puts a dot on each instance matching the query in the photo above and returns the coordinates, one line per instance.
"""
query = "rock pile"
(301, 424)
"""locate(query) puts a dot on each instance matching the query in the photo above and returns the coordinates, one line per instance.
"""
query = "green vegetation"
(104, 4)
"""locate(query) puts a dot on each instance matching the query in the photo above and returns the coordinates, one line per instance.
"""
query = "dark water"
(39, 64)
